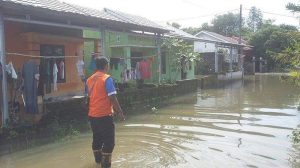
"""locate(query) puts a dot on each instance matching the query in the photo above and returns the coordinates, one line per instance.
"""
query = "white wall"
(203, 47)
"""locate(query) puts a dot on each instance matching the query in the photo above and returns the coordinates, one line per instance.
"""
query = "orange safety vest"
(100, 104)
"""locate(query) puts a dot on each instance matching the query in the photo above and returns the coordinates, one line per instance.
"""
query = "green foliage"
(174, 24)
(290, 55)
(296, 136)
(178, 49)
(192, 30)
(293, 7)
(255, 19)
(227, 24)
(270, 41)
(181, 52)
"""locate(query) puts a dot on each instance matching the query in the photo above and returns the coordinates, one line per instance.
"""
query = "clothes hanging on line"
(55, 71)
(80, 68)
(30, 74)
(61, 70)
(138, 72)
(11, 71)
(144, 67)
(42, 56)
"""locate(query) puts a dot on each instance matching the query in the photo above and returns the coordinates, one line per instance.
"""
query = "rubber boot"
(106, 160)
(98, 156)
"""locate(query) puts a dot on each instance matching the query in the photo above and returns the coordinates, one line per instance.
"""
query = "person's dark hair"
(101, 62)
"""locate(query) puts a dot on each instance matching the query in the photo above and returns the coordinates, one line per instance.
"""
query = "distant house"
(221, 53)
(185, 73)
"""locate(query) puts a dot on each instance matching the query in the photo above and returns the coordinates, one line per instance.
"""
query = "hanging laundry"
(124, 76)
(133, 74)
(11, 71)
(29, 73)
(128, 73)
(61, 70)
(137, 69)
(55, 71)
(145, 70)
(80, 68)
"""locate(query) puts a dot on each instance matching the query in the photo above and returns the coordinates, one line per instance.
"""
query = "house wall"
(203, 47)
(121, 44)
(18, 41)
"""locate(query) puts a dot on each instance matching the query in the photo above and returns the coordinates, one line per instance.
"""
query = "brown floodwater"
(245, 124)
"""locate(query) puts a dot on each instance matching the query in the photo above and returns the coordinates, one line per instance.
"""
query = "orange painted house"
(52, 32)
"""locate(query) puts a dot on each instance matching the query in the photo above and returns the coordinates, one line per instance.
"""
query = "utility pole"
(240, 24)
(241, 62)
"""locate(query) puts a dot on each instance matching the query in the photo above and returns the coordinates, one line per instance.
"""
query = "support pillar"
(231, 60)
(127, 55)
(253, 65)
(158, 43)
(216, 59)
(103, 44)
(4, 108)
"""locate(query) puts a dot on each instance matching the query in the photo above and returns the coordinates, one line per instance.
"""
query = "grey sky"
(188, 12)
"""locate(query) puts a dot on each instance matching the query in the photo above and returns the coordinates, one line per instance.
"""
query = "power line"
(193, 4)
(277, 14)
(196, 17)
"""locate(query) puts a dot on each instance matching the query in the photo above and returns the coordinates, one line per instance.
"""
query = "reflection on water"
(245, 124)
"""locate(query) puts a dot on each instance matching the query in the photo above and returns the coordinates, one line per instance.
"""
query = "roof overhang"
(36, 15)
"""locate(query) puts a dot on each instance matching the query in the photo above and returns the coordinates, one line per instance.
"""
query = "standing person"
(103, 100)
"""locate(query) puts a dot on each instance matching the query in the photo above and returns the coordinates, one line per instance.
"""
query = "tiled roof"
(134, 19)
(174, 32)
(223, 39)
(106, 14)
(54, 5)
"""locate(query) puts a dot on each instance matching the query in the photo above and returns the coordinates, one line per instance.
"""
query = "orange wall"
(29, 43)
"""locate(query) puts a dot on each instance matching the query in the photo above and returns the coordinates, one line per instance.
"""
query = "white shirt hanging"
(80, 67)
(55, 71)
(11, 70)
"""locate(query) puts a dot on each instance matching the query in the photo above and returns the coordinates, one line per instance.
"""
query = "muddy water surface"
(245, 124)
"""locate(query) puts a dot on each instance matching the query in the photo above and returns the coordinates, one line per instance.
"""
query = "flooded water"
(245, 124)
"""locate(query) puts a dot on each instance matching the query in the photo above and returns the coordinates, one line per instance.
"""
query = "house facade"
(47, 46)
(41, 45)
(218, 51)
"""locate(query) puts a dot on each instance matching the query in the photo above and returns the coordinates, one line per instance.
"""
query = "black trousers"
(103, 133)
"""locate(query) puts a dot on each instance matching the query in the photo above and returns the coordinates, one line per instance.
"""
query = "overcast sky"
(193, 12)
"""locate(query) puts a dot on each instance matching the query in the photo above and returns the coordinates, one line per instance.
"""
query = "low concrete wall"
(74, 110)
(231, 75)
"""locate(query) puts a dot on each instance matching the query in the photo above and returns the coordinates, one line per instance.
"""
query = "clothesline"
(151, 56)
(39, 56)
(72, 56)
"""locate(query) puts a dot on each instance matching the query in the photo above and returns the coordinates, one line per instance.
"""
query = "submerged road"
(245, 124)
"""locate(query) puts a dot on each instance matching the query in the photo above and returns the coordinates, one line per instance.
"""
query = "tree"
(258, 41)
(255, 19)
(192, 30)
(288, 27)
(205, 26)
(179, 49)
(227, 24)
(271, 40)
(293, 7)
(174, 24)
